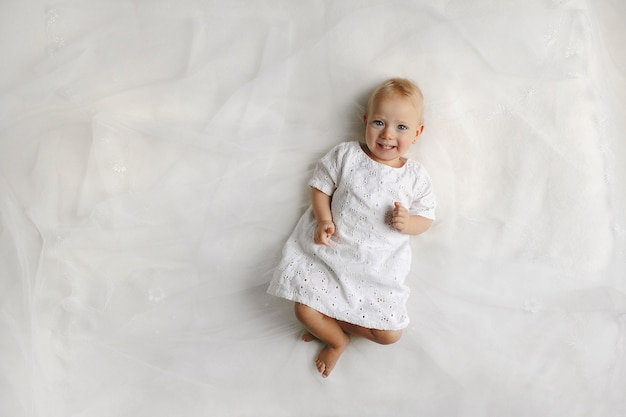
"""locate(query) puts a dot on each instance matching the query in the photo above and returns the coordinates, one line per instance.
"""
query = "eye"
(378, 123)
(402, 127)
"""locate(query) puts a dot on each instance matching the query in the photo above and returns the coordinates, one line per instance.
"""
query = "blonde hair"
(401, 87)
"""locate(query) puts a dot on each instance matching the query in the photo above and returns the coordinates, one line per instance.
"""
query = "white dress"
(360, 277)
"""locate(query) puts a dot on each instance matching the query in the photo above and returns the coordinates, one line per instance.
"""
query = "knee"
(305, 313)
(387, 337)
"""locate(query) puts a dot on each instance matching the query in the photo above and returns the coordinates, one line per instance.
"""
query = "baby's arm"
(321, 209)
(403, 222)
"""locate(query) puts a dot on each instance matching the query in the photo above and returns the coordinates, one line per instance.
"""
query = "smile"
(386, 147)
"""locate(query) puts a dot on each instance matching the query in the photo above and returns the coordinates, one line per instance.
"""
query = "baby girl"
(346, 261)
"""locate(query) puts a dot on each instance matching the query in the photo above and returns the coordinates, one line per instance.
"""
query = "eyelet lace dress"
(360, 277)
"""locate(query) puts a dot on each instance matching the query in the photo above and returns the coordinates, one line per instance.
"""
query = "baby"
(347, 259)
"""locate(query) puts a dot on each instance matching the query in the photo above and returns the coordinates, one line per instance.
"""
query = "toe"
(321, 366)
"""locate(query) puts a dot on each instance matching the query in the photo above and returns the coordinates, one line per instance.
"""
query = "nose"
(386, 133)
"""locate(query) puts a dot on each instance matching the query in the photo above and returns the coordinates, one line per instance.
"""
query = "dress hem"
(332, 314)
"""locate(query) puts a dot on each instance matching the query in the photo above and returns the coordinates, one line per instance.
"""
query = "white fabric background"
(154, 157)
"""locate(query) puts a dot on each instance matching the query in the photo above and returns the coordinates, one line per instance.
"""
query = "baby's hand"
(400, 218)
(324, 230)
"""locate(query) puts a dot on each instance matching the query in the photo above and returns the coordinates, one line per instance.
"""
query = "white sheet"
(154, 157)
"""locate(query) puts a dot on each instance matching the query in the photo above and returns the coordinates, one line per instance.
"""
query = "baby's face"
(392, 125)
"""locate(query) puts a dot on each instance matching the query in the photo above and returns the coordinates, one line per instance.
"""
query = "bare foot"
(328, 357)
(308, 336)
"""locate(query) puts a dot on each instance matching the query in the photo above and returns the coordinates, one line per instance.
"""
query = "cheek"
(407, 141)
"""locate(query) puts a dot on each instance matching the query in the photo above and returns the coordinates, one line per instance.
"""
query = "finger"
(399, 208)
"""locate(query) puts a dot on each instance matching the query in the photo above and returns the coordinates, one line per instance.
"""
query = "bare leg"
(328, 331)
(383, 337)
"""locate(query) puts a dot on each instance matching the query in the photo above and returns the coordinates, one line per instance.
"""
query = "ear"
(418, 132)
(365, 118)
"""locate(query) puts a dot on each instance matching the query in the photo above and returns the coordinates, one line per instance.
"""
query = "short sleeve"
(327, 170)
(425, 202)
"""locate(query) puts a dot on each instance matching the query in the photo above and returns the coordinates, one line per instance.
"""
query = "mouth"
(385, 147)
